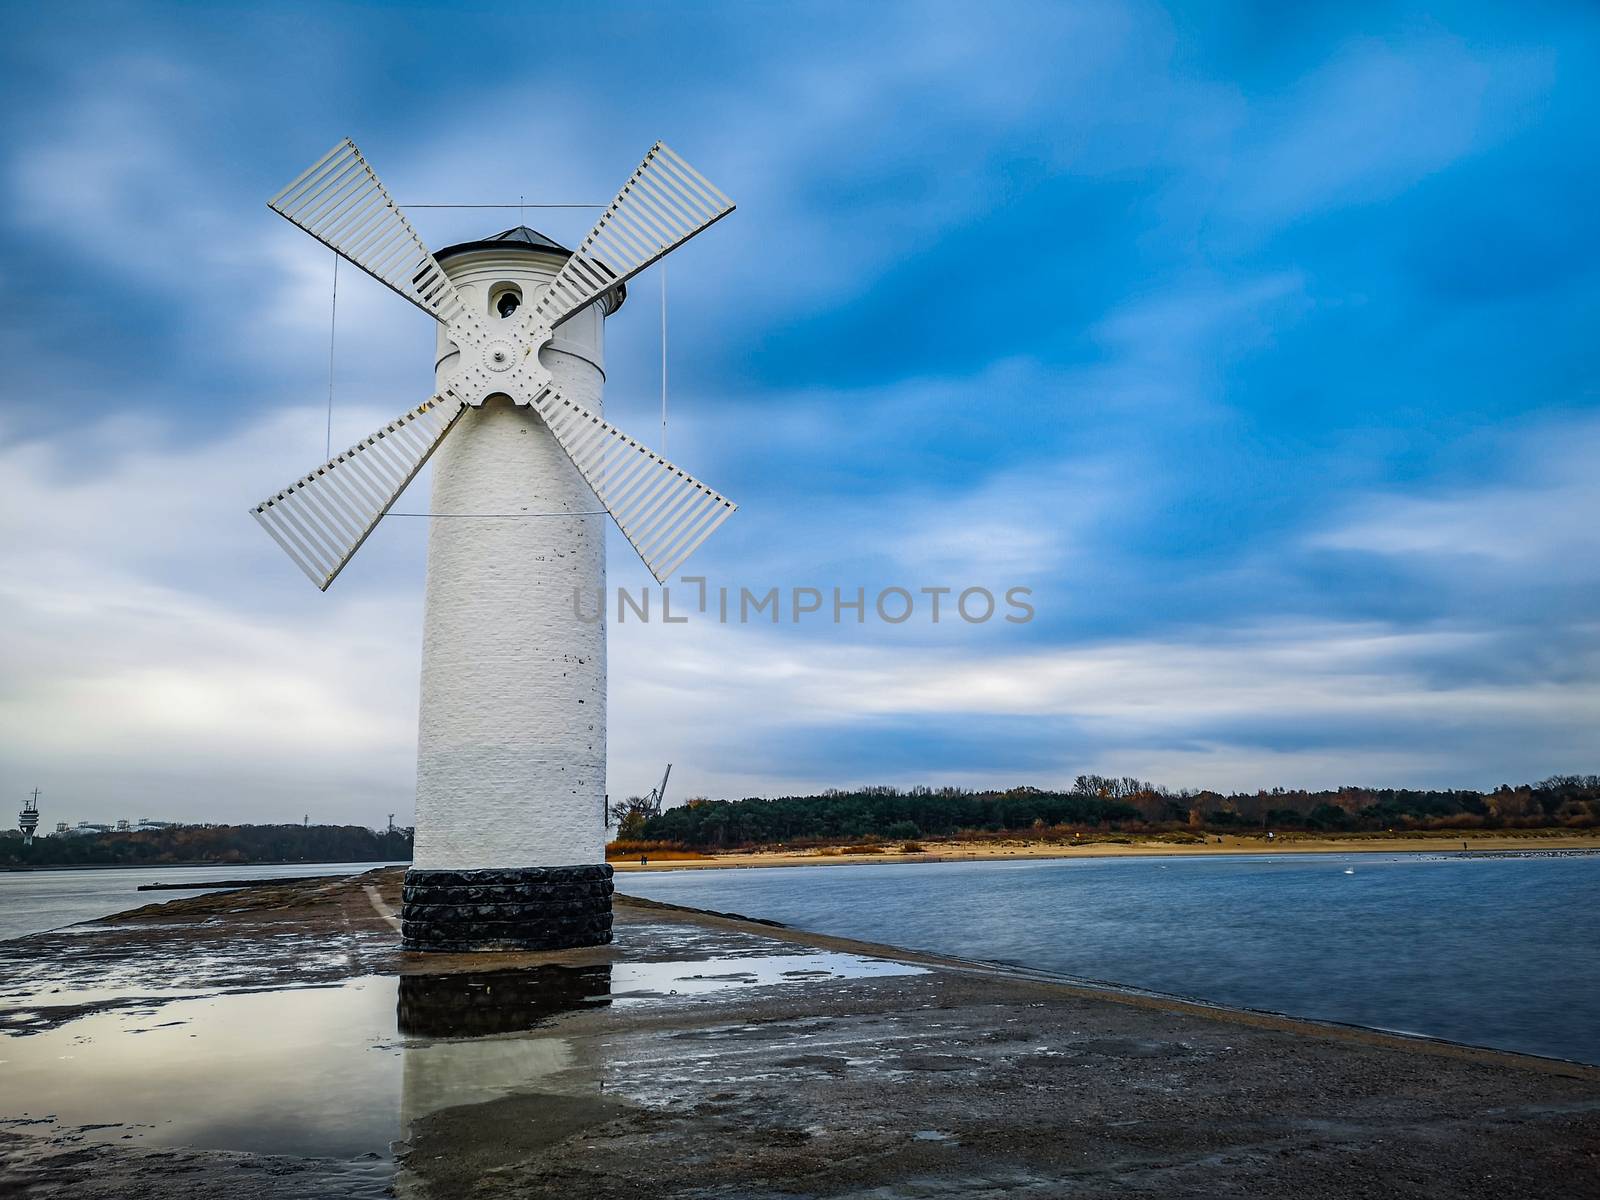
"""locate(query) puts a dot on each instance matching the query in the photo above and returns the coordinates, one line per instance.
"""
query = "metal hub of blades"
(321, 520)
(498, 366)
(498, 356)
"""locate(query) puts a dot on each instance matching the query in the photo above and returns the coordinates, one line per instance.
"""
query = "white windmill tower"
(510, 827)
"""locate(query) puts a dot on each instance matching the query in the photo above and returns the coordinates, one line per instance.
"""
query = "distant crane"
(28, 818)
(635, 810)
(655, 798)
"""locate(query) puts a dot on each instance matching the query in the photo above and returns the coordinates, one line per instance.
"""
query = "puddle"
(71, 996)
(339, 1070)
(335, 1071)
(310, 1071)
(635, 981)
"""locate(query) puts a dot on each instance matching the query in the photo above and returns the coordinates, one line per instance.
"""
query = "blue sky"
(1258, 343)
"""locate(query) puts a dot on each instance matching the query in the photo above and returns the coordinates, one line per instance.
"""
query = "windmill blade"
(664, 512)
(664, 204)
(322, 520)
(342, 204)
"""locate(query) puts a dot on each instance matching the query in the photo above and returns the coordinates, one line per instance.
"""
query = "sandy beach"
(1530, 841)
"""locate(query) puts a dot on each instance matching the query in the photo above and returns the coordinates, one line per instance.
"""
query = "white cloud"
(1009, 527)
(1534, 511)
(160, 655)
(1201, 710)
(1202, 324)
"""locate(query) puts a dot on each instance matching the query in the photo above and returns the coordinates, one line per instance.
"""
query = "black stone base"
(507, 908)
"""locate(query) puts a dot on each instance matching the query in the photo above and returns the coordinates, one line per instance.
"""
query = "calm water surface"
(1500, 952)
(343, 1070)
(33, 901)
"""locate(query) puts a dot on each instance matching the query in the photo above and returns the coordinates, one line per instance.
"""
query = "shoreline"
(1536, 842)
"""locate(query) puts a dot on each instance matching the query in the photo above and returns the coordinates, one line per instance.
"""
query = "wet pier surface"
(275, 1042)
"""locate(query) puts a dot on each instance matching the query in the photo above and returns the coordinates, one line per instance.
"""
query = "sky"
(1257, 341)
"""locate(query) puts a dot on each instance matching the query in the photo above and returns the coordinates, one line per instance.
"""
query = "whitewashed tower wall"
(512, 733)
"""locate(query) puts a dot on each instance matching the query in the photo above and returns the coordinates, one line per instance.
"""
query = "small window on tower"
(507, 299)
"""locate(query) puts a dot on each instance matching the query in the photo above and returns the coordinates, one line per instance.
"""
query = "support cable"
(518, 205)
(333, 326)
(663, 360)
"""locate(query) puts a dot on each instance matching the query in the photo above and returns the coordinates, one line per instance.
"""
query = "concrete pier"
(705, 1056)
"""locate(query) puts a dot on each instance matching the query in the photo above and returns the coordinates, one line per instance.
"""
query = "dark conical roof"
(521, 239)
(517, 237)
(521, 233)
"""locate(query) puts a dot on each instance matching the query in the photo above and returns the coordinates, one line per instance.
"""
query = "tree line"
(237, 844)
(1094, 803)
(1117, 804)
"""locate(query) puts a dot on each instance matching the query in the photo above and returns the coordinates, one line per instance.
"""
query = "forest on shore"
(1102, 804)
(238, 844)
(1094, 805)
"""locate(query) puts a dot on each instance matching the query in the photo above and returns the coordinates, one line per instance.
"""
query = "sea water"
(34, 901)
(1492, 951)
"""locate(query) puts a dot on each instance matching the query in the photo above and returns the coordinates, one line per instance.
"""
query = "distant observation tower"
(28, 818)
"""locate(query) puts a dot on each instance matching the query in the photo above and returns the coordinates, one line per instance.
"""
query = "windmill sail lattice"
(344, 205)
(321, 520)
(665, 512)
(664, 204)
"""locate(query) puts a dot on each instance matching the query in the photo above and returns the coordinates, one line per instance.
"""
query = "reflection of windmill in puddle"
(468, 1073)
(483, 1003)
